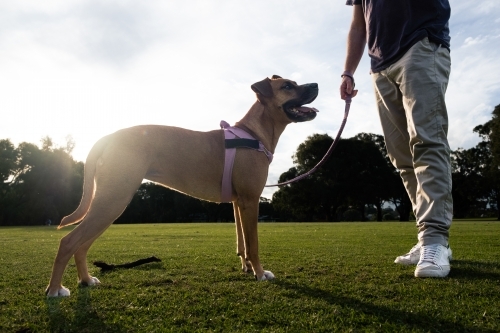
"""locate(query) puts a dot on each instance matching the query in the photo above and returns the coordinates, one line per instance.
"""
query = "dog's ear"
(274, 77)
(263, 89)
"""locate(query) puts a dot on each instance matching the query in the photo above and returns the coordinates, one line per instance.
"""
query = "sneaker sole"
(435, 273)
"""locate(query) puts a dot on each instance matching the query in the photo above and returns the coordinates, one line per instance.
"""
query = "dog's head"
(288, 96)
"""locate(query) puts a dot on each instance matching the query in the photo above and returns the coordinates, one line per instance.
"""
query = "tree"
(266, 210)
(493, 170)
(8, 159)
(355, 175)
(470, 188)
(494, 137)
(304, 200)
(154, 203)
(43, 184)
(8, 166)
(489, 158)
(476, 172)
(394, 189)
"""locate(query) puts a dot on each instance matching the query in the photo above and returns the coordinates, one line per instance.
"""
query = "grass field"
(330, 277)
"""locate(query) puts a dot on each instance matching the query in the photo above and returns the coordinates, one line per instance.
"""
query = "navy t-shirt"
(394, 26)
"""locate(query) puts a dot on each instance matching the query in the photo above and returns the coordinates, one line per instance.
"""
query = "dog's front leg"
(248, 214)
(246, 266)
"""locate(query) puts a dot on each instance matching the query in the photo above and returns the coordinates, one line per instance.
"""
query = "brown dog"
(188, 161)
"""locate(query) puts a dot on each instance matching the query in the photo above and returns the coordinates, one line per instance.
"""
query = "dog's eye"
(287, 86)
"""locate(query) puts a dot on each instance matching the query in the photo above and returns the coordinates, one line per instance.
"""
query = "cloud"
(470, 41)
(474, 41)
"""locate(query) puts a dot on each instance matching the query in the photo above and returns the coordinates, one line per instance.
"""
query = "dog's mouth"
(300, 113)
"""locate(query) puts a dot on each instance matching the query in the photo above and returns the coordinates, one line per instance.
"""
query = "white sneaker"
(413, 257)
(434, 261)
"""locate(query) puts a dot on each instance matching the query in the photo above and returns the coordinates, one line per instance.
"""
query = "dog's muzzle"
(295, 109)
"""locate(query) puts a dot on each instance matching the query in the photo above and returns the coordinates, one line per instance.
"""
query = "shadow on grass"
(83, 319)
(405, 320)
(477, 270)
(146, 267)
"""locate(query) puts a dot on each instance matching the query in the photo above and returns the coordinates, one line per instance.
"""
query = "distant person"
(409, 46)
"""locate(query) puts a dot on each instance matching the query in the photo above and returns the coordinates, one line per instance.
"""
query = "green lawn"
(330, 277)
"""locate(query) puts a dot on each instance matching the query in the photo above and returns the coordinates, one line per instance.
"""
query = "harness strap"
(247, 143)
(236, 137)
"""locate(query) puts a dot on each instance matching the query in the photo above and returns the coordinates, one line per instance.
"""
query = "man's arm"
(356, 41)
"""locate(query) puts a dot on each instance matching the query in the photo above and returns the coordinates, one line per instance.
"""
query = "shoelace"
(430, 253)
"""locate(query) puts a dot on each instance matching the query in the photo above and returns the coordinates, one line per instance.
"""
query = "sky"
(84, 69)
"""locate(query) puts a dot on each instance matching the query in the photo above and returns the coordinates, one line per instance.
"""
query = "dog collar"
(235, 137)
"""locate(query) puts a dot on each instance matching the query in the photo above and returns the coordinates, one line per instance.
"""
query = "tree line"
(40, 185)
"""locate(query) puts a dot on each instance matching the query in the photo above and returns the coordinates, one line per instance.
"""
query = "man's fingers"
(347, 82)
(347, 89)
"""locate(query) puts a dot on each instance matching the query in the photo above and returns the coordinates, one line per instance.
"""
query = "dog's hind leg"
(114, 190)
(246, 266)
(81, 236)
(84, 278)
(248, 212)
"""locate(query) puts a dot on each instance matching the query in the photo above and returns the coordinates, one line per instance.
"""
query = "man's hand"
(347, 87)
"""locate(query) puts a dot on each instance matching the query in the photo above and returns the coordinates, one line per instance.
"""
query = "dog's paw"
(247, 268)
(92, 282)
(268, 275)
(61, 292)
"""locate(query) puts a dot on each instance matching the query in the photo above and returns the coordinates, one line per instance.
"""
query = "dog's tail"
(88, 185)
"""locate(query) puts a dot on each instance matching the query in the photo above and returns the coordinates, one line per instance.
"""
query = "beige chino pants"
(410, 96)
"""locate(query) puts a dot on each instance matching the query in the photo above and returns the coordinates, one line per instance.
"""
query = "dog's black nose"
(313, 85)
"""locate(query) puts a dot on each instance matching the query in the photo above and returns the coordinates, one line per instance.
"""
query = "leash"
(329, 151)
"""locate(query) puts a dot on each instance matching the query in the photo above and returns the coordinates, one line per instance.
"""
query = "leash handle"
(348, 100)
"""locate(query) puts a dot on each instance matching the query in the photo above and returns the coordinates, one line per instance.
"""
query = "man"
(408, 43)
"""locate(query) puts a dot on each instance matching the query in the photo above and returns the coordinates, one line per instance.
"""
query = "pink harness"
(236, 137)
